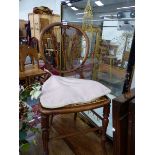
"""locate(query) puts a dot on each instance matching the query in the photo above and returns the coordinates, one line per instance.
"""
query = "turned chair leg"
(75, 115)
(45, 133)
(105, 121)
(51, 120)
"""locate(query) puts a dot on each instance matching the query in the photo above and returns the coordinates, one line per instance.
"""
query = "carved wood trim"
(120, 112)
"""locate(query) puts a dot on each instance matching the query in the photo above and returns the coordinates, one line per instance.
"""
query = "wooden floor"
(88, 144)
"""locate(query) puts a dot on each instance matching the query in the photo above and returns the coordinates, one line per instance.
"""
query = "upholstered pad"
(59, 91)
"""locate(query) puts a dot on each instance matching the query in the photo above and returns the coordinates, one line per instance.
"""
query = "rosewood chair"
(72, 40)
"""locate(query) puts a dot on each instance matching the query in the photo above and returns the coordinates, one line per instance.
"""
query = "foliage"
(26, 114)
(32, 90)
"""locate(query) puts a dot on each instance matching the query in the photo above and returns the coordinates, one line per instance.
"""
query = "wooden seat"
(64, 53)
(29, 70)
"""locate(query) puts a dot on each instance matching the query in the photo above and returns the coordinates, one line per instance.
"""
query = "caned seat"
(62, 95)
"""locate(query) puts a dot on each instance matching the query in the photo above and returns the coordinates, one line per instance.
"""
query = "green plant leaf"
(21, 142)
(35, 130)
(34, 142)
(25, 147)
(24, 95)
(25, 126)
(22, 135)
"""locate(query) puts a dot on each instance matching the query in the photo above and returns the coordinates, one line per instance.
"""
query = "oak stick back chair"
(70, 46)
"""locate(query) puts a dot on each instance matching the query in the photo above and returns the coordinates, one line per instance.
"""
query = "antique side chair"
(62, 95)
(29, 70)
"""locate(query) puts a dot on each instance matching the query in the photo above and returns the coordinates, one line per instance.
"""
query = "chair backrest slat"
(24, 51)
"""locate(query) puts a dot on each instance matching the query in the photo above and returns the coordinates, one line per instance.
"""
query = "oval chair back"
(64, 46)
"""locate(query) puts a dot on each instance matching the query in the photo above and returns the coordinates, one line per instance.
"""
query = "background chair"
(29, 64)
(70, 46)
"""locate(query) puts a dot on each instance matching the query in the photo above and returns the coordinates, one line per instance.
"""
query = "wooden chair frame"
(34, 70)
(104, 101)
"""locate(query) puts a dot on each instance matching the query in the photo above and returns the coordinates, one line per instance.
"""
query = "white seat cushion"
(59, 91)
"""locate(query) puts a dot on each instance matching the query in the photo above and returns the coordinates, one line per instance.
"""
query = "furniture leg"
(75, 115)
(45, 132)
(29, 81)
(51, 121)
(105, 121)
(26, 82)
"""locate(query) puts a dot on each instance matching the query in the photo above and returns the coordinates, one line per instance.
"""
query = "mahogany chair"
(29, 70)
(72, 37)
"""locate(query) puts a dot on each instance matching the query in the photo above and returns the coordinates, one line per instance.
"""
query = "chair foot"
(45, 133)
